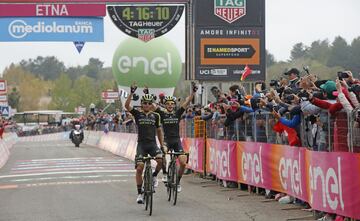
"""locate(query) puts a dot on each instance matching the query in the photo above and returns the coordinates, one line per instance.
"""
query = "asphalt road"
(56, 181)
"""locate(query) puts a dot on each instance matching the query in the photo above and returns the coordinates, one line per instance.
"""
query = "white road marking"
(69, 166)
(67, 172)
(60, 159)
(68, 169)
(66, 163)
(71, 177)
(74, 182)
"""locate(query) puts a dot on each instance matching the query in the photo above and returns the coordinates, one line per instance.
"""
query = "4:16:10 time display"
(146, 13)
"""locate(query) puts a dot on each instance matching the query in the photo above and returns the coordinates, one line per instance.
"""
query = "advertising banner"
(195, 147)
(156, 64)
(59, 10)
(229, 35)
(52, 29)
(232, 13)
(221, 54)
(325, 180)
(105, 95)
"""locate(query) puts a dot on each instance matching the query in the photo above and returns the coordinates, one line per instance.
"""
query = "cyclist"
(170, 120)
(149, 125)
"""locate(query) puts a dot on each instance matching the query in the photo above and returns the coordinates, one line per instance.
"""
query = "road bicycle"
(148, 184)
(173, 176)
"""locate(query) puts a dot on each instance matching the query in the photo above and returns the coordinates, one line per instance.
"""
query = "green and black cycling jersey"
(170, 122)
(147, 123)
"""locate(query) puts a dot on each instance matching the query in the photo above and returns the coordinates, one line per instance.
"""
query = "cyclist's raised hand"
(133, 88)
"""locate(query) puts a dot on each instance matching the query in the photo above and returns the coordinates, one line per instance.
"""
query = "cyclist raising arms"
(170, 120)
(148, 125)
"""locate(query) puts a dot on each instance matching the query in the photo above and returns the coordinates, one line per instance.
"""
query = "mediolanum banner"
(52, 29)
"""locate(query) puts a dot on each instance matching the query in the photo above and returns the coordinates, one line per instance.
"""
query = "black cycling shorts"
(174, 144)
(142, 150)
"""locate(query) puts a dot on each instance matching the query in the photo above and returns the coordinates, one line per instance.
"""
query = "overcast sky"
(287, 22)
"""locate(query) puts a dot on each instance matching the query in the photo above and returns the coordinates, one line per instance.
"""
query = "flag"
(247, 71)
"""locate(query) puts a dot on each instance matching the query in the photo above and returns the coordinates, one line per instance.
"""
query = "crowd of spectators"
(298, 110)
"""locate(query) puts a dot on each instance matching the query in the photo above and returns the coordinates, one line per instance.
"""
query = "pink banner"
(59, 10)
(196, 149)
(333, 181)
(226, 160)
(327, 181)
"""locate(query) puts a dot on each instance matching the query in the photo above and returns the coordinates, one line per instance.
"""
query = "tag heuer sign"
(230, 10)
(146, 34)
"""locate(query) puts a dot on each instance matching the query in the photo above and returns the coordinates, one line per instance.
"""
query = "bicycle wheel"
(150, 189)
(175, 183)
(146, 188)
(170, 178)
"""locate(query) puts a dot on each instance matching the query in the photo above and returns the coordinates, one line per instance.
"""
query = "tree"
(320, 51)
(75, 72)
(31, 88)
(14, 98)
(85, 91)
(93, 67)
(61, 93)
(47, 68)
(354, 59)
(299, 50)
(340, 53)
(270, 59)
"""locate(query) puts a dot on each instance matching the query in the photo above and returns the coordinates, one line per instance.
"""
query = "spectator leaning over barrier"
(340, 125)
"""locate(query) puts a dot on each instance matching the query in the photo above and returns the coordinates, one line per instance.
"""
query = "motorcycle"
(77, 135)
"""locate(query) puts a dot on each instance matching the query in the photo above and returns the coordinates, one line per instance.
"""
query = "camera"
(289, 98)
(272, 107)
(306, 69)
(275, 84)
(304, 95)
(341, 75)
(312, 119)
(255, 103)
(355, 88)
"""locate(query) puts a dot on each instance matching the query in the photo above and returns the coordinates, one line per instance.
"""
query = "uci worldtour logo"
(230, 10)
(20, 29)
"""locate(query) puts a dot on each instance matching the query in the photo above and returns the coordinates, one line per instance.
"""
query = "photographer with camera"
(293, 75)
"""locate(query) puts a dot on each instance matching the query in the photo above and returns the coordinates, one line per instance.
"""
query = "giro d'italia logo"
(230, 10)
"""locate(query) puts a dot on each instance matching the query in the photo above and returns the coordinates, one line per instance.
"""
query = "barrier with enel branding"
(327, 181)
(46, 137)
(9, 139)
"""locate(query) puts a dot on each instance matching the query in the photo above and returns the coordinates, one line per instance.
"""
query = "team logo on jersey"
(230, 10)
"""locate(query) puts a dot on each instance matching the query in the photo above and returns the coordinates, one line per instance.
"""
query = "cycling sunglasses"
(170, 103)
(146, 103)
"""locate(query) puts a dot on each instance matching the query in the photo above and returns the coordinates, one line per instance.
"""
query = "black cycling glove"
(133, 88)
(194, 87)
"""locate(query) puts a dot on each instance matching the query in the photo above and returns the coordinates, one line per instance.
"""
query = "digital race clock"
(145, 21)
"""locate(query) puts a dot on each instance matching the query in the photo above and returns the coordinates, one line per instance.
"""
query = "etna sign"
(58, 10)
